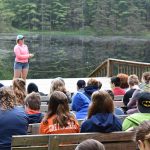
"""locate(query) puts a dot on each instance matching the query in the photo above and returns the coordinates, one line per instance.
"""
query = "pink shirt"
(22, 53)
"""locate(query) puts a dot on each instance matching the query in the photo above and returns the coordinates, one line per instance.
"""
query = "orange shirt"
(51, 128)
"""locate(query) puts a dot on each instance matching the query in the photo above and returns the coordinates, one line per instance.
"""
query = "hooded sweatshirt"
(35, 118)
(80, 105)
(89, 90)
(102, 122)
(12, 122)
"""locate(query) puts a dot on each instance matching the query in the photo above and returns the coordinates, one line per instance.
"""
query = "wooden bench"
(118, 97)
(33, 128)
(112, 141)
(119, 104)
(44, 99)
(44, 108)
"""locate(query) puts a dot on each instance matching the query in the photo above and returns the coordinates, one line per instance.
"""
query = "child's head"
(57, 85)
(32, 87)
(133, 80)
(123, 80)
(146, 77)
(143, 135)
(115, 82)
(33, 101)
(7, 98)
(101, 103)
(58, 103)
(19, 88)
(90, 144)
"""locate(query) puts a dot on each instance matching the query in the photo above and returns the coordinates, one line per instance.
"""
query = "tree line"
(99, 16)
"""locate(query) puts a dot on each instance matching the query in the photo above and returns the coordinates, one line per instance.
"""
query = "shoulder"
(86, 123)
(16, 47)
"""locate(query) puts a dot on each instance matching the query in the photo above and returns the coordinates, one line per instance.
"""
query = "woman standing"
(21, 64)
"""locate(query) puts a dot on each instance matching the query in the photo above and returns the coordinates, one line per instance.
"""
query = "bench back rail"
(112, 141)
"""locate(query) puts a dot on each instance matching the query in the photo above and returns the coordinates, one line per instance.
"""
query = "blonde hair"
(19, 90)
(133, 80)
(57, 85)
(7, 98)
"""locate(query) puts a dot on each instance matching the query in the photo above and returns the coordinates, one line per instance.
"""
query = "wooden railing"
(112, 67)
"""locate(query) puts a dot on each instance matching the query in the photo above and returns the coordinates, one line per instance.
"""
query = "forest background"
(70, 38)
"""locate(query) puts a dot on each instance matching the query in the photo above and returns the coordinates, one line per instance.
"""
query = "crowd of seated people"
(20, 106)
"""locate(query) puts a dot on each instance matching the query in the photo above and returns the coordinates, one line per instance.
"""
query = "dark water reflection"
(72, 56)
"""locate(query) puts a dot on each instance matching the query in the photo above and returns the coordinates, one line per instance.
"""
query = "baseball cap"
(144, 102)
(19, 37)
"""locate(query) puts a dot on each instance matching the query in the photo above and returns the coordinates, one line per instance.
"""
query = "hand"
(31, 55)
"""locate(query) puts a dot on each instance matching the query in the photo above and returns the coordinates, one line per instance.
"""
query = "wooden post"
(108, 68)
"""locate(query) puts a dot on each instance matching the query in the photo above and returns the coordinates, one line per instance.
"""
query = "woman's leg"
(25, 69)
(17, 73)
(24, 73)
(17, 70)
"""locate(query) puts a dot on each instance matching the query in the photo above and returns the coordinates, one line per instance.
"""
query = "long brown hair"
(101, 103)
(19, 90)
(58, 105)
(7, 98)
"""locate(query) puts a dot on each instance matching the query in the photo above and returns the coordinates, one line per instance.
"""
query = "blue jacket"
(12, 122)
(80, 105)
(102, 123)
(118, 111)
(35, 118)
(88, 90)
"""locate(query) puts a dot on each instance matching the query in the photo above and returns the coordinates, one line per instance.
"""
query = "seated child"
(32, 107)
(58, 119)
